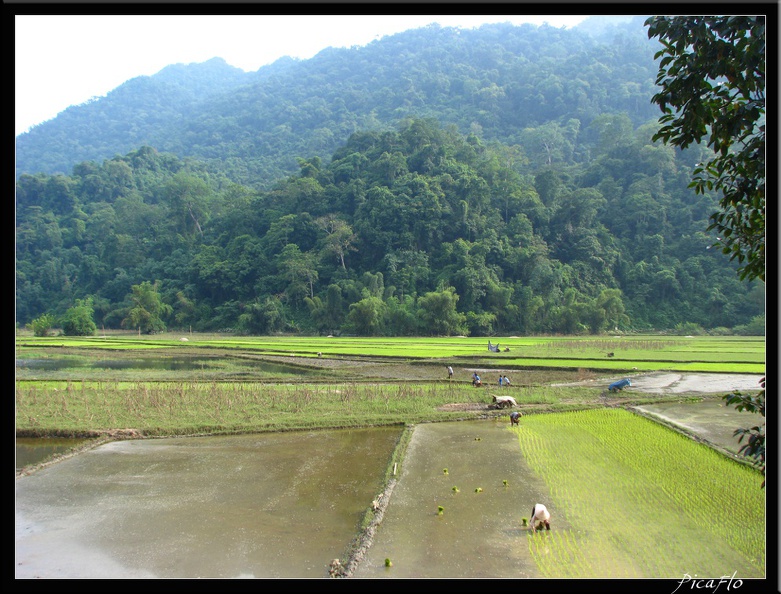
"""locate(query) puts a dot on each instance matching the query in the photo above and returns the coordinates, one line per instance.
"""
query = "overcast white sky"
(65, 60)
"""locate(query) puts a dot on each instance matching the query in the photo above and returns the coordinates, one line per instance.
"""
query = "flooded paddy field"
(465, 490)
(34, 450)
(285, 505)
(474, 472)
(267, 505)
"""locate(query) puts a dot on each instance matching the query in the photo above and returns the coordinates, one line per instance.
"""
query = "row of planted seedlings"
(641, 500)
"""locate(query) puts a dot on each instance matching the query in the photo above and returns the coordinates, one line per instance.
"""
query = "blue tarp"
(619, 385)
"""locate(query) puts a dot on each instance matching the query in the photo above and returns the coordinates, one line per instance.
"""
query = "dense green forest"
(443, 182)
(421, 230)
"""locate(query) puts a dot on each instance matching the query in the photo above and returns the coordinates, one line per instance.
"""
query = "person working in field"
(449, 372)
(540, 517)
(476, 381)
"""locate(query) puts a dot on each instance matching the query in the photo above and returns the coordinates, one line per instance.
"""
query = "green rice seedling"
(388, 563)
(440, 510)
(479, 490)
(444, 470)
(612, 463)
(504, 482)
(456, 490)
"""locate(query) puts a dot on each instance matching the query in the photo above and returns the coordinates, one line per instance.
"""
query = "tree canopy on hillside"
(360, 244)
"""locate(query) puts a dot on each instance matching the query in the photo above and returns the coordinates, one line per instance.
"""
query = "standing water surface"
(266, 505)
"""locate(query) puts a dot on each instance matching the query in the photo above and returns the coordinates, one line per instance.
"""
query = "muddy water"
(478, 534)
(281, 505)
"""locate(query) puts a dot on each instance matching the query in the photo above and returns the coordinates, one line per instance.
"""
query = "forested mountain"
(508, 83)
(497, 181)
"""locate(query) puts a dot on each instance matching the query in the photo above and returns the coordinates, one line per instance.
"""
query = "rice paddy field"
(736, 354)
(196, 384)
(651, 501)
(632, 498)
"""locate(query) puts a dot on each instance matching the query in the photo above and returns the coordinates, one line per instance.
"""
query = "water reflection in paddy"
(34, 450)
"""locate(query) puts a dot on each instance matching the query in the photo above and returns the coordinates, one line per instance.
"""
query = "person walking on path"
(506, 381)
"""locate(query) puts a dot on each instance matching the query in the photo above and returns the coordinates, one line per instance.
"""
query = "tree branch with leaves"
(712, 87)
(712, 80)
